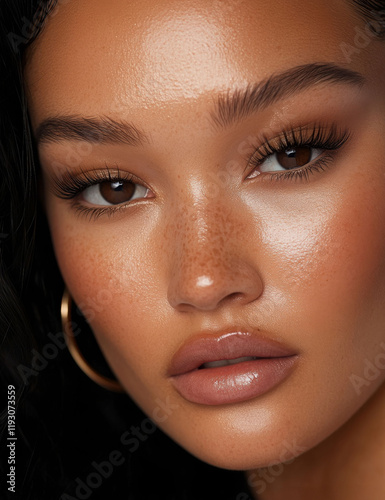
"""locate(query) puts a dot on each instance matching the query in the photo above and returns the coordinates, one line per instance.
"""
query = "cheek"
(105, 257)
(333, 282)
(331, 264)
(325, 248)
(112, 272)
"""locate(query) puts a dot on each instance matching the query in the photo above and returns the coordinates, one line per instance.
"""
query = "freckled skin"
(302, 262)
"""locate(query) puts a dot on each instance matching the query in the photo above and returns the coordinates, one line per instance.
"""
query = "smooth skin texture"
(212, 247)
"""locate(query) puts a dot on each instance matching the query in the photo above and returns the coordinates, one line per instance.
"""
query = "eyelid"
(69, 185)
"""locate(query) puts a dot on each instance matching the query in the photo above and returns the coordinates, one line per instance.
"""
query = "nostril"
(232, 296)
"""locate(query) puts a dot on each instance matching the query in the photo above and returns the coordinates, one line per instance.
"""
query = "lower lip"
(233, 383)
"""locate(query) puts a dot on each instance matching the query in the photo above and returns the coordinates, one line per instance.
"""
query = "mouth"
(226, 362)
(230, 368)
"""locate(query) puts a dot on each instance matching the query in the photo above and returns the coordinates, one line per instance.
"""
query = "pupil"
(291, 153)
(294, 158)
(117, 186)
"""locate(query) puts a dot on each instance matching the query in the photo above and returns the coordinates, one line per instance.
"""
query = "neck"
(348, 465)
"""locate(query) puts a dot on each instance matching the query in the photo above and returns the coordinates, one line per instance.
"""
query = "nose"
(212, 263)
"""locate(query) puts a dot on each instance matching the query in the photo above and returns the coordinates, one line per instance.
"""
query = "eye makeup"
(72, 187)
(297, 153)
(296, 144)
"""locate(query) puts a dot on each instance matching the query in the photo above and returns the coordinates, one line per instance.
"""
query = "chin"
(239, 439)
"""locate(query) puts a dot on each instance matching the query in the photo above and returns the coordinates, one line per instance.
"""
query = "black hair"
(372, 13)
(56, 446)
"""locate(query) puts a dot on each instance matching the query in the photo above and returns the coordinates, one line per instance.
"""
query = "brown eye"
(289, 159)
(114, 193)
(294, 157)
(117, 192)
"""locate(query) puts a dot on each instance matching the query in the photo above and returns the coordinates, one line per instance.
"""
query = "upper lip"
(207, 347)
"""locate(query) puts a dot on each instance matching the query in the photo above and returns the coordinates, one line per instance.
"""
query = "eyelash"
(319, 137)
(69, 187)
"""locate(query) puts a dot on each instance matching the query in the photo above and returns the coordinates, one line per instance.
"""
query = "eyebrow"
(100, 130)
(230, 107)
(239, 104)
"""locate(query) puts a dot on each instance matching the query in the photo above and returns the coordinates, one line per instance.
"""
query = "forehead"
(97, 56)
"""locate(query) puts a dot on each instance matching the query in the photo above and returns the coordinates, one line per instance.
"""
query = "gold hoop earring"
(66, 313)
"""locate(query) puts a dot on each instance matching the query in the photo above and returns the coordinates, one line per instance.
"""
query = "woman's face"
(214, 179)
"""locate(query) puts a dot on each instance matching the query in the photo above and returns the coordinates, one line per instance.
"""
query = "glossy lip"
(231, 383)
